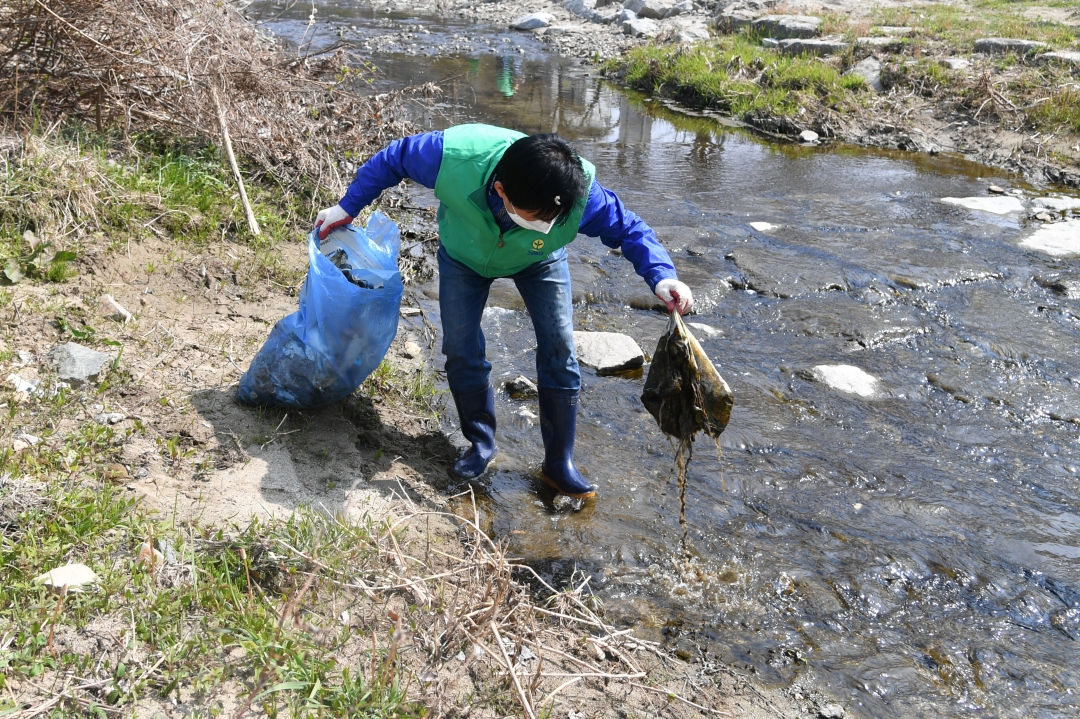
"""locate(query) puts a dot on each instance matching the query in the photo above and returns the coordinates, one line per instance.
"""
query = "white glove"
(330, 219)
(675, 295)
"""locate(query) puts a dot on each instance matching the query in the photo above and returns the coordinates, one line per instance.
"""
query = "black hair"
(542, 175)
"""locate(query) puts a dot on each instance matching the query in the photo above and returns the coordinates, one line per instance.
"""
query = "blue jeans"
(545, 287)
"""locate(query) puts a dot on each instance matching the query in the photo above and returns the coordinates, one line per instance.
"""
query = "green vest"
(466, 227)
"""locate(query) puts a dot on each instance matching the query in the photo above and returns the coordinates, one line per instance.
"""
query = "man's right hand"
(330, 219)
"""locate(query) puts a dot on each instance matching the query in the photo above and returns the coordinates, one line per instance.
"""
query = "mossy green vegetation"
(187, 612)
(738, 76)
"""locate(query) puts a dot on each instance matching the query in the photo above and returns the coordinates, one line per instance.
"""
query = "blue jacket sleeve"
(417, 158)
(617, 227)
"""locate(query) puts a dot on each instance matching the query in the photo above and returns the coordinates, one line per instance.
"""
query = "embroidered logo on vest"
(537, 247)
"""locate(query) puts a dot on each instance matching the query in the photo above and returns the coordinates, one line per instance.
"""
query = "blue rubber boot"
(558, 426)
(476, 410)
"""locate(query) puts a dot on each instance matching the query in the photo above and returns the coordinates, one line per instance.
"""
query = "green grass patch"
(212, 612)
(1061, 110)
(737, 76)
(76, 186)
(959, 27)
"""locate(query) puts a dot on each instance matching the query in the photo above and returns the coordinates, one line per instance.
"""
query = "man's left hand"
(675, 295)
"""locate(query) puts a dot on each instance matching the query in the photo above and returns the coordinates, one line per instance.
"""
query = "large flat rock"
(1059, 204)
(1006, 45)
(77, 364)
(732, 21)
(532, 21)
(608, 352)
(812, 46)
(1001, 205)
(1058, 239)
(651, 9)
(1067, 57)
(787, 26)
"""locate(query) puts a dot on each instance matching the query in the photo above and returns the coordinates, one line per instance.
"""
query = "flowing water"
(915, 553)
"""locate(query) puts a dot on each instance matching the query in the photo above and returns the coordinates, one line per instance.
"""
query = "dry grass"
(140, 65)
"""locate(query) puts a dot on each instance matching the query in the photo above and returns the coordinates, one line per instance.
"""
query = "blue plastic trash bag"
(346, 322)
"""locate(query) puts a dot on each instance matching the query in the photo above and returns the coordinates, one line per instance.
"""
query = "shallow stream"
(916, 553)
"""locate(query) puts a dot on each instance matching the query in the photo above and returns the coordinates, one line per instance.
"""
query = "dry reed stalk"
(253, 226)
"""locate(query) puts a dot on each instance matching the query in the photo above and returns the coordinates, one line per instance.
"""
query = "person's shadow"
(341, 459)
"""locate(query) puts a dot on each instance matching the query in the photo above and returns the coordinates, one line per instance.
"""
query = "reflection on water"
(918, 552)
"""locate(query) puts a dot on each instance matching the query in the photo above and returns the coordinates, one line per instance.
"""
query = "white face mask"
(539, 225)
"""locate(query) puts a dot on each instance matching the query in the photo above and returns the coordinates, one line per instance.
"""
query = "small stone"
(694, 33)
(29, 439)
(109, 418)
(651, 9)
(78, 364)
(412, 350)
(532, 21)
(697, 251)
(18, 446)
(770, 42)
(640, 27)
(73, 576)
(956, 63)
(831, 711)
(149, 558)
(684, 8)
(787, 26)
(521, 387)
(460, 656)
(844, 378)
(731, 21)
(812, 46)
(114, 310)
(870, 71)
(1067, 57)
(995, 205)
(808, 136)
(25, 357)
(583, 8)
(1044, 217)
(1006, 45)
(608, 352)
(142, 472)
(23, 385)
(995, 190)
(762, 226)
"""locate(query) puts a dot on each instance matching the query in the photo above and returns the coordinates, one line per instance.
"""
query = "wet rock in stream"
(608, 352)
(844, 378)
